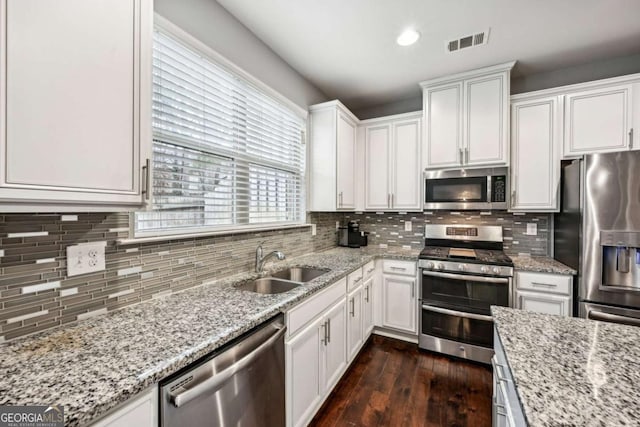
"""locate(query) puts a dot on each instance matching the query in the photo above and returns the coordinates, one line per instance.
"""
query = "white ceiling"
(347, 47)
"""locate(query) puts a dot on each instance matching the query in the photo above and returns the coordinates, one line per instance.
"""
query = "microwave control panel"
(499, 188)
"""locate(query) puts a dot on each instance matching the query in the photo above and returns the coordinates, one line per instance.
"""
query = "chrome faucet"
(260, 260)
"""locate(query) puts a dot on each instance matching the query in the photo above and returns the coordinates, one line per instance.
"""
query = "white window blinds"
(225, 154)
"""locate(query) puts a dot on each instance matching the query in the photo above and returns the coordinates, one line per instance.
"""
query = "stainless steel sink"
(299, 274)
(268, 285)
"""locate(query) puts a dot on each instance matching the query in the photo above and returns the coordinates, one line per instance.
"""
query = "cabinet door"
(335, 348)
(303, 359)
(544, 303)
(406, 176)
(355, 332)
(501, 409)
(485, 117)
(377, 154)
(76, 118)
(443, 126)
(399, 305)
(139, 411)
(598, 121)
(346, 165)
(367, 307)
(535, 151)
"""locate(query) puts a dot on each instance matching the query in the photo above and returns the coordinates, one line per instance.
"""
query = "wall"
(209, 22)
(397, 107)
(133, 273)
(388, 228)
(578, 74)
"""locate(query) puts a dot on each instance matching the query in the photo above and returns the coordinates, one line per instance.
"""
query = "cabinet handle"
(329, 330)
(340, 199)
(147, 181)
(513, 197)
(353, 307)
(466, 155)
(370, 271)
(461, 159)
(630, 138)
(366, 290)
(499, 376)
(413, 291)
(391, 200)
(357, 280)
(324, 334)
(398, 268)
(545, 285)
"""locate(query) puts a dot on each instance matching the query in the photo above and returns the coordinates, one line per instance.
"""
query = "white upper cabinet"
(598, 120)
(332, 157)
(377, 171)
(466, 119)
(75, 103)
(536, 135)
(443, 126)
(393, 177)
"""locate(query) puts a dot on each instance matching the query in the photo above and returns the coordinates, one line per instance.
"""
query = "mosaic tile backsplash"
(36, 294)
(389, 228)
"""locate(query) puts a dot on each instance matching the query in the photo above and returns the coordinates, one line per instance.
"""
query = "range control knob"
(429, 266)
(496, 270)
(440, 266)
(484, 269)
(462, 267)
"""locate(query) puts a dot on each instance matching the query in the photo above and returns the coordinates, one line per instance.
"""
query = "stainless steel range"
(463, 272)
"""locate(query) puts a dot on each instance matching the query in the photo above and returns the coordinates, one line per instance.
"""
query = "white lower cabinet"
(355, 333)
(315, 351)
(506, 411)
(140, 411)
(398, 301)
(544, 293)
(367, 306)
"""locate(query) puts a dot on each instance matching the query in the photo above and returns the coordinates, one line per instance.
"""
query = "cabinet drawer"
(406, 268)
(354, 279)
(368, 270)
(308, 310)
(541, 282)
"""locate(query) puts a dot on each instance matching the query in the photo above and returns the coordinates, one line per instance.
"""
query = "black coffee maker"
(351, 236)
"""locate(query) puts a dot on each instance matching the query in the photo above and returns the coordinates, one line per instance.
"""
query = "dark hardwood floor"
(392, 383)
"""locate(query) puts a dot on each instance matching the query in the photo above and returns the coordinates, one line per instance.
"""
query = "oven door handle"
(614, 318)
(467, 277)
(448, 312)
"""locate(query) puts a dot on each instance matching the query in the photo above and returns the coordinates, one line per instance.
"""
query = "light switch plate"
(532, 229)
(85, 258)
(408, 226)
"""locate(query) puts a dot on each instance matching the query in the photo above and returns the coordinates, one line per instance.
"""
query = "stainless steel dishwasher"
(242, 384)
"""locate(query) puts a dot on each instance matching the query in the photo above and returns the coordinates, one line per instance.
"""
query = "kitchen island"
(569, 371)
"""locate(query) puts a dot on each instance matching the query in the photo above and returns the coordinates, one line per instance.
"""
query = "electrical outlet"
(313, 230)
(337, 224)
(532, 229)
(85, 258)
(408, 226)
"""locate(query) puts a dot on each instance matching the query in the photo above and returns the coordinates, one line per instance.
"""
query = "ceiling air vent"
(466, 42)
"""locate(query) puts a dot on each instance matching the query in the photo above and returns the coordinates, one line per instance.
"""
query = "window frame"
(163, 25)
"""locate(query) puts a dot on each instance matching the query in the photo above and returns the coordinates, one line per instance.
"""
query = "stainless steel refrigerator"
(597, 232)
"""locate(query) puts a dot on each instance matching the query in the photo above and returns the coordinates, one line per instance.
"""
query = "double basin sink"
(282, 281)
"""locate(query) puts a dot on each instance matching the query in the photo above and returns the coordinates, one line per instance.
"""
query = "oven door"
(464, 292)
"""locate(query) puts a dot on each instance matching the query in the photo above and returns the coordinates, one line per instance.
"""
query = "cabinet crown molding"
(335, 104)
(478, 72)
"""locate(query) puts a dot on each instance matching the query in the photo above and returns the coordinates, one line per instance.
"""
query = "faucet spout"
(260, 260)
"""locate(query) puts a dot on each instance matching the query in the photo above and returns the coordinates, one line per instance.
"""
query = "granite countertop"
(540, 264)
(570, 371)
(91, 366)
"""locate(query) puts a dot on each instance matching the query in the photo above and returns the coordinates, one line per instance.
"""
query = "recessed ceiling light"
(408, 37)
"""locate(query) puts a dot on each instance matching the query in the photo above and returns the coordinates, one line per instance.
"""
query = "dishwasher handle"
(215, 382)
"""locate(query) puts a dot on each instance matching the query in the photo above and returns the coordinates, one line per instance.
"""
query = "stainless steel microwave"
(467, 189)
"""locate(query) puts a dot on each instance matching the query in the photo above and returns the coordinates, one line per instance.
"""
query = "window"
(225, 154)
